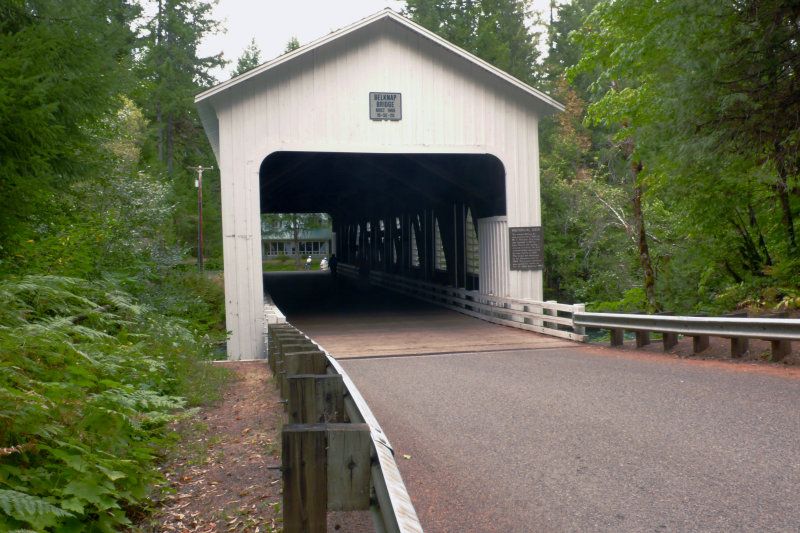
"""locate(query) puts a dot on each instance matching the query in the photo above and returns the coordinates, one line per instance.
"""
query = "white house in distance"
(406, 140)
(277, 243)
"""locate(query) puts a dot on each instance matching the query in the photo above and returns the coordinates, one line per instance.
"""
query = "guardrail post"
(668, 339)
(349, 467)
(780, 348)
(739, 345)
(305, 479)
(579, 308)
(642, 337)
(316, 398)
(700, 342)
(617, 336)
(298, 359)
(325, 466)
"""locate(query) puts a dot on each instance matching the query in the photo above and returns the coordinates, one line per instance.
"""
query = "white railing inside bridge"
(549, 318)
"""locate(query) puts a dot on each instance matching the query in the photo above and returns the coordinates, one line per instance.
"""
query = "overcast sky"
(273, 22)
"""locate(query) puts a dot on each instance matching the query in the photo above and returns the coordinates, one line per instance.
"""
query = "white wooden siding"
(318, 101)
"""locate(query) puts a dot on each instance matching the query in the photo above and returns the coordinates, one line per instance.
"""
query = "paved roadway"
(555, 436)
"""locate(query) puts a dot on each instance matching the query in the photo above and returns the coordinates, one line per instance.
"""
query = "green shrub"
(88, 380)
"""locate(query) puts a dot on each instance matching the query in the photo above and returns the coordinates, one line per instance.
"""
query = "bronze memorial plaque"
(526, 248)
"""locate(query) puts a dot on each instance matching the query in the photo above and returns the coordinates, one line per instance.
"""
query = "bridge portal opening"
(404, 213)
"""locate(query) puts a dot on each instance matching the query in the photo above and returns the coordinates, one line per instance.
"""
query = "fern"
(30, 509)
(89, 379)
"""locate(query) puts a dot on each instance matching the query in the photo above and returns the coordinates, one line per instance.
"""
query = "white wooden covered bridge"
(402, 138)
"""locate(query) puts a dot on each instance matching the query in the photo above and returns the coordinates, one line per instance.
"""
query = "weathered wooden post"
(617, 336)
(739, 345)
(305, 479)
(277, 340)
(316, 399)
(668, 339)
(325, 466)
(282, 364)
(779, 348)
(700, 342)
(642, 337)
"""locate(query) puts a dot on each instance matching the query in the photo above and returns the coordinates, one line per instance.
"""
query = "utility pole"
(199, 184)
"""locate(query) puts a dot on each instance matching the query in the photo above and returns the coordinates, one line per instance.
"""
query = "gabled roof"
(377, 17)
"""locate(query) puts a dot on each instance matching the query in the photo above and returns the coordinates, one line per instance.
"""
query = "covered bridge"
(411, 144)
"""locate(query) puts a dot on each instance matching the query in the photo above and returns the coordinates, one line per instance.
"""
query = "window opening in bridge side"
(472, 246)
(440, 260)
(414, 250)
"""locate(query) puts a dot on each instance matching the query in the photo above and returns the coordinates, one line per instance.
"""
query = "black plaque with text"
(526, 248)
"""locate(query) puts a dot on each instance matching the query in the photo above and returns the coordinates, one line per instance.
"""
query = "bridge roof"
(384, 15)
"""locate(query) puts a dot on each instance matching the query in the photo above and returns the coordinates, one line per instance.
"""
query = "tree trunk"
(160, 125)
(169, 143)
(786, 208)
(160, 133)
(641, 240)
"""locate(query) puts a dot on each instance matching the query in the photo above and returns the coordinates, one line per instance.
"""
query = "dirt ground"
(225, 474)
(720, 350)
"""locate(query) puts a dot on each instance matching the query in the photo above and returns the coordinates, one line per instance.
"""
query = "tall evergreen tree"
(497, 31)
(176, 73)
(250, 59)
(53, 99)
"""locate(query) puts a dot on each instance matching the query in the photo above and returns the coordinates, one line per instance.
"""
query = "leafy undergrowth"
(89, 381)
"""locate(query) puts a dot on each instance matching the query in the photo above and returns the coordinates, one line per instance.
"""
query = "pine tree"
(53, 99)
(250, 59)
(175, 74)
(494, 30)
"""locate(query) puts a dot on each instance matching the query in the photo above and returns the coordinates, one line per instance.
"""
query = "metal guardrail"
(356, 477)
(779, 331)
(530, 315)
(754, 328)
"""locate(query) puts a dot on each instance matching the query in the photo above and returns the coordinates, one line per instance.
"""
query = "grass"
(276, 265)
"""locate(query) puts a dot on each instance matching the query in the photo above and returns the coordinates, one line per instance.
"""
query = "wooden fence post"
(739, 345)
(305, 479)
(642, 337)
(700, 342)
(316, 399)
(779, 348)
(325, 466)
(349, 467)
(669, 340)
(617, 336)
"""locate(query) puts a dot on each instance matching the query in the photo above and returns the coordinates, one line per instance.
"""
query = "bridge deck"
(352, 324)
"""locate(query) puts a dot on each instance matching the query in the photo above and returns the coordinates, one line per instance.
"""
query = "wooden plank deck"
(375, 323)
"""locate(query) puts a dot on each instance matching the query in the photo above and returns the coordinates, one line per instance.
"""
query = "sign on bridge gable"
(385, 106)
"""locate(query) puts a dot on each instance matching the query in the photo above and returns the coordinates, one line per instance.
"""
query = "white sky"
(273, 22)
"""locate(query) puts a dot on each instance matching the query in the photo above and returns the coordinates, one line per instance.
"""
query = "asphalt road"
(573, 438)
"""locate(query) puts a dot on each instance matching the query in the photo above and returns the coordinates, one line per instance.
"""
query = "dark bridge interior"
(393, 212)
